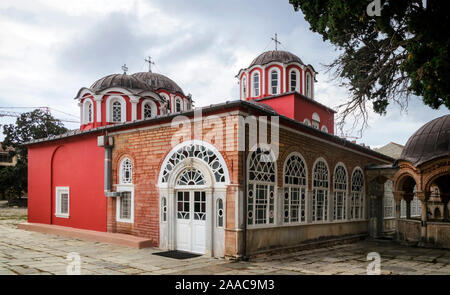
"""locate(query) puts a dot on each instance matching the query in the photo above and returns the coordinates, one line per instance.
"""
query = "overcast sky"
(50, 49)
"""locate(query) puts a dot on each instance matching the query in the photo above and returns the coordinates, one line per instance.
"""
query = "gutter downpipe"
(244, 172)
(108, 143)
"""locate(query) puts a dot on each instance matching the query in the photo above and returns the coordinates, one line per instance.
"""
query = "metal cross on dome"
(276, 41)
(150, 63)
(124, 69)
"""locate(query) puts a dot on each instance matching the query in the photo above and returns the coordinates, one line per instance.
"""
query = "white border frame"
(109, 101)
(58, 191)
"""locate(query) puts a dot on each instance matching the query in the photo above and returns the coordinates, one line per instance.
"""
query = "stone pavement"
(23, 252)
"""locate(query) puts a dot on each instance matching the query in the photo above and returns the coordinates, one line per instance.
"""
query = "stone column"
(134, 101)
(398, 196)
(424, 197)
(445, 198)
(408, 197)
(98, 105)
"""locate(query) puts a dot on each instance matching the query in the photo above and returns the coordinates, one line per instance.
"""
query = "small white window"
(178, 105)
(255, 83)
(88, 111)
(126, 172)
(147, 110)
(116, 112)
(274, 82)
(220, 213)
(308, 85)
(324, 129)
(293, 80)
(62, 201)
(125, 203)
(315, 120)
(164, 209)
(307, 122)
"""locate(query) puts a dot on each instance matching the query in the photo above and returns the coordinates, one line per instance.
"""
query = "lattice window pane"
(147, 111)
(64, 203)
(256, 84)
(320, 175)
(191, 176)
(199, 206)
(125, 205)
(262, 166)
(274, 82)
(126, 171)
(183, 205)
(295, 171)
(90, 112)
(117, 111)
(195, 151)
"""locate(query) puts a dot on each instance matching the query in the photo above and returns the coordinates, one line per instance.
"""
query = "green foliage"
(386, 58)
(32, 125)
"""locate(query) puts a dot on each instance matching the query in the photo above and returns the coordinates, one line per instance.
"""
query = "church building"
(260, 173)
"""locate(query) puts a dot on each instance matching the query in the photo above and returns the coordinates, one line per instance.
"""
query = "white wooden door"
(191, 221)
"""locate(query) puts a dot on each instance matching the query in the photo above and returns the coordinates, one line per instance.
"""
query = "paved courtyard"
(23, 252)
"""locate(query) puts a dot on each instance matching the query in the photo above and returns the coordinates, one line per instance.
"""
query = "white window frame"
(125, 188)
(342, 191)
(278, 72)
(315, 121)
(253, 83)
(360, 195)
(270, 187)
(326, 190)
(297, 80)
(86, 103)
(324, 129)
(307, 122)
(218, 216)
(308, 84)
(109, 105)
(178, 100)
(152, 105)
(58, 191)
(302, 188)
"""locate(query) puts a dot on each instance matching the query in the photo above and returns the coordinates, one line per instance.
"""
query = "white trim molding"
(59, 191)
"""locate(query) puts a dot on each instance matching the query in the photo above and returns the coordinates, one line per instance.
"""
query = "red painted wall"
(78, 164)
(298, 108)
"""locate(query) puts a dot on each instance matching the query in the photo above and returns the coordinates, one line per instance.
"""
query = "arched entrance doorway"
(192, 185)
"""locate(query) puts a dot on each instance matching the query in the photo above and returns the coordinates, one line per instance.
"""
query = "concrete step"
(90, 235)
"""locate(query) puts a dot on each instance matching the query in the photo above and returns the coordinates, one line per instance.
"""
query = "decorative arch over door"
(192, 183)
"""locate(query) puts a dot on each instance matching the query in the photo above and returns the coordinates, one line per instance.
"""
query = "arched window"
(244, 87)
(416, 205)
(256, 84)
(195, 150)
(178, 105)
(295, 189)
(315, 120)
(340, 192)
(388, 200)
(88, 112)
(126, 171)
(357, 200)
(261, 188)
(116, 112)
(320, 192)
(308, 85)
(274, 81)
(220, 213)
(147, 110)
(125, 203)
(294, 82)
(324, 129)
(307, 122)
(191, 176)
